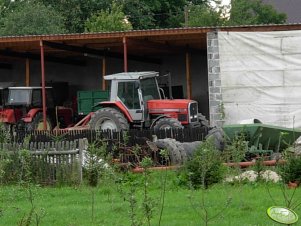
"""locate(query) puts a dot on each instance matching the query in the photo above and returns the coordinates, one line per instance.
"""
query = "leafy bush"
(236, 149)
(204, 169)
(96, 157)
(291, 171)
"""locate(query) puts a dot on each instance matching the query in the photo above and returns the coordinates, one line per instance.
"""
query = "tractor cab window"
(128, 94)
(49, 98)
(19, 96)
(37, 98)
(149, 89)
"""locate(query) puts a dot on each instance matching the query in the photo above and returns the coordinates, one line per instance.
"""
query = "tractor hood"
(164, 106)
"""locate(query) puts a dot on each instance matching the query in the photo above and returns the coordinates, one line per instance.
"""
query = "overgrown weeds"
(204, 169)
(95, 164)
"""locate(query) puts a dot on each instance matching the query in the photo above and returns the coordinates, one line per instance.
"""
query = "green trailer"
(87, 100)
(263, 137)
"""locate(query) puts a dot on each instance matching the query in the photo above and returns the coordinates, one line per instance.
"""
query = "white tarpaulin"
(261, 76)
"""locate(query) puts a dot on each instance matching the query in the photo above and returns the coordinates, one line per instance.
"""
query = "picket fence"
(48, 162)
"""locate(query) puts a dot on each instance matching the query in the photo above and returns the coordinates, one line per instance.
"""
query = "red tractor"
(24, 108)
(136, 101)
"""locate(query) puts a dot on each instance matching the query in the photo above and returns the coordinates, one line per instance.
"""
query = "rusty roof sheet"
(150, 32)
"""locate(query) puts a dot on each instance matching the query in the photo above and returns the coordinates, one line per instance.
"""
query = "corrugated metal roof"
(150, 32)
(147, 44)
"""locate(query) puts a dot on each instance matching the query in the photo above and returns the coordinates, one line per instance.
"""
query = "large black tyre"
(108, 118)
(216, 136)
(37, 123)
(167, 123)
(182, 151)
(174, 153)
(202, 119)
(190, 148)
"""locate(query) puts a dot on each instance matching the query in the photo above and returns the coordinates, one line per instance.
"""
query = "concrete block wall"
(214, 81)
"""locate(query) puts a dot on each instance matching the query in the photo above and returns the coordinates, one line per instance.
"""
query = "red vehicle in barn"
(22, 107)
(136, 101)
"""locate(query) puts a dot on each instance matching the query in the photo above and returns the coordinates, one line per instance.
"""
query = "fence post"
(82, 146)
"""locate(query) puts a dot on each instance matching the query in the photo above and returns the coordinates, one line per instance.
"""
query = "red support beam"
(188, 76)
(43, 85)
(103, 82)
(27, 72)
(125, 54)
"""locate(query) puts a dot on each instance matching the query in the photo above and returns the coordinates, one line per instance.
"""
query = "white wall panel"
(261, 76)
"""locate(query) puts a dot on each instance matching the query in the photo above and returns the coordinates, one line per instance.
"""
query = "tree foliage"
(30, 18)
(76, 12)
(76, 16)
(241, 12)
(108, 20)
(205, 15)
(145, 14)
(244, 12)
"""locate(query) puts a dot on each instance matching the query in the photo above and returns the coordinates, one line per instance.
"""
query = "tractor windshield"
(149, 88)
(19, 96)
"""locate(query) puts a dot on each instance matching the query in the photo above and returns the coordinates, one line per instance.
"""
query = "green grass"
(71, 206)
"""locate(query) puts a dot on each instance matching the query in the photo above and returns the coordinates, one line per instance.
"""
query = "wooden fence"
(57, 156)
(130, 137)
(42, 162)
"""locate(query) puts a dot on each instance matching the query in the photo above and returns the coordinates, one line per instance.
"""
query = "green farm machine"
(262, 139)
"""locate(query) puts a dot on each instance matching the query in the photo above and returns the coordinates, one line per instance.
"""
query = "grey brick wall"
(214, 81)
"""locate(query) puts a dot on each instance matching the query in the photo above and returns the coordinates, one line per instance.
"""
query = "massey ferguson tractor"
(136, 102)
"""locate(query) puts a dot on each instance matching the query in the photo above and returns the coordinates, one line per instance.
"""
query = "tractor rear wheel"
(108, 118)
(37, 123)
(167, 123)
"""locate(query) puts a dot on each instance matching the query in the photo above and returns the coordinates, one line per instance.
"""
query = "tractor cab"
(29, 97)
(133, 90)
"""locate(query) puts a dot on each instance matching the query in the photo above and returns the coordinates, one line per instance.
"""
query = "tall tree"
(108, 20)
(205, 15)
(76, 12)
(6, 6)
(170, 13)
(244, 12)
(31, 18)
(145, 14)
(140, 14)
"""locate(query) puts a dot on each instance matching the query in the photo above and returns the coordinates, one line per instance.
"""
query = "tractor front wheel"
(167, 123)
(108, 119)
(37, 123)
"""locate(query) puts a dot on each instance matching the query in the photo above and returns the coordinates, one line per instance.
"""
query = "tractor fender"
(156, 119)
(31, 114)
(118, 105)
(7, 116)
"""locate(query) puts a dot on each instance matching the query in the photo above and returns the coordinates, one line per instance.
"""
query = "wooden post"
(103, 83)
(188, 80)
(27, 73)
(82, 146)
(125, 55)
(43, 85)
